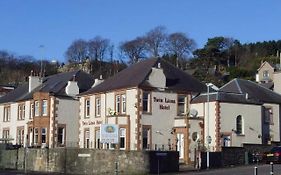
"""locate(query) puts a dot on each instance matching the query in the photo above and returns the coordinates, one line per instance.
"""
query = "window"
(36, 108)
(120, 104)
(146, 99)
(36, 136)
(31, 111)
(61, 135)
(43, 135)
(97, 141)
(98, 106)
(122, 138)
(21, 112)
(20, 136)
(7, 113)
(181, 104)
(117, 104)
(265, 74)
(123, 104)
(239, 125)
(146, 138)
(44, 107)
(6, 135)
(87, 108)
(268, 116)
(87, 138)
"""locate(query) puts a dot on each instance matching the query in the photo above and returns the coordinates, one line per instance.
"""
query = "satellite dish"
(193, 113)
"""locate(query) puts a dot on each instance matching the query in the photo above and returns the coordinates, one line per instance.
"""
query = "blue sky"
(27, 24)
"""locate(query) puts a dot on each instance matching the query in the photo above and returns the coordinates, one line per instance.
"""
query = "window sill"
(147, 113)
(241, 135)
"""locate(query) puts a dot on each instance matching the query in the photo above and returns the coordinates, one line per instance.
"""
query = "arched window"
(239, 125)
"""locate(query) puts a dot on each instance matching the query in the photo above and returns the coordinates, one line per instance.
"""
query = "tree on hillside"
(179, 45)
(155, 41)
(98, 48)
(77, 52)
(134, 49)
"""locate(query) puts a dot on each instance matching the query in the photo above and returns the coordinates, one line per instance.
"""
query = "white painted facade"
(222, 123)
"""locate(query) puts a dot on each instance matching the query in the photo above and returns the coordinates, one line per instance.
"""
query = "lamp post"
(208, 134)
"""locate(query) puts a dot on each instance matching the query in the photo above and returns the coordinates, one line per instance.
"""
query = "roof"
(265, 62)
(54, 84)
(225, 97)
(242, 91)
(254, 90)
(137, 74)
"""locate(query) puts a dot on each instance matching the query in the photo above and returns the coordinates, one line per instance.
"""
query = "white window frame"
(122, 134)
(118, 104)
(31, 110)
(36, 136)
(36, 108)
(147, 101)
(184, 103)
(44, 107)
(44, 134)
(87, 138)
(7, 114)
(98, 107)
(20, 136)
(87, 108)
(123, 98)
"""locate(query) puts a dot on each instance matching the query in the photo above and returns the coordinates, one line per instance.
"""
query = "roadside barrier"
(271, 169)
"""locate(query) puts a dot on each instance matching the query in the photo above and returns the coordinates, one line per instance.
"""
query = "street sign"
(109, 133)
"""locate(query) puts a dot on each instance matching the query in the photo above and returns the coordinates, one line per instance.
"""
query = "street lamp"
(209, 139)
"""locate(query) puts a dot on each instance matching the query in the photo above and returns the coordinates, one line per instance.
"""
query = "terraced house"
(150, 103)
(44, 111)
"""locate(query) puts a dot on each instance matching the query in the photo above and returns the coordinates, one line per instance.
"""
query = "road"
(242, 170)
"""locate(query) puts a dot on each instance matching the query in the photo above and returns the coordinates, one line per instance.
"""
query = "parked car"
(274, 155)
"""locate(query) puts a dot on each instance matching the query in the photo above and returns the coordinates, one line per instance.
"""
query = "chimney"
(72, 88)
(33, 81)
(98, 81)
(157, 77)
(247, 96)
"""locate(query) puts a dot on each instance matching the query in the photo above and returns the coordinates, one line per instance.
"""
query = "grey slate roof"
(235, 91)
(54, 84)
(137, 74)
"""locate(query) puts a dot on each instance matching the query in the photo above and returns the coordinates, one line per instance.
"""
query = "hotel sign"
(164, 102)
(109, 133)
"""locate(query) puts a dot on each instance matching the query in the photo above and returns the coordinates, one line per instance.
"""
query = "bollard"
(116, 168)
(256, 171)
(271, 168)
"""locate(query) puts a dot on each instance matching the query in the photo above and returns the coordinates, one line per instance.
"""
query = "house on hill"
(240, 112)
(44, 111)
(150, 102)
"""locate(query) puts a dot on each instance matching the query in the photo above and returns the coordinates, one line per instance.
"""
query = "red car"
(274, 155)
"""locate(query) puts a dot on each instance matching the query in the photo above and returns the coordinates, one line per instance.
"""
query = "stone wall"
(78, 161)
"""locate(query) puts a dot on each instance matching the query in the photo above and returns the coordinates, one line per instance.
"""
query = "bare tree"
(77, 52)
(98, 48)
(179, 45)
(134, 49)
(155, 41)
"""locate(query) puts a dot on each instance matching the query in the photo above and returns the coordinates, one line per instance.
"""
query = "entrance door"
(180, 145)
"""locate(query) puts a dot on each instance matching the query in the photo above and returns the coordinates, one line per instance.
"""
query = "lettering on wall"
(165, 102)
(87, 123)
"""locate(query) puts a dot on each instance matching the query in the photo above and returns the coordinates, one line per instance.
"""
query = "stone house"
(44, 111)
(150, 102)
